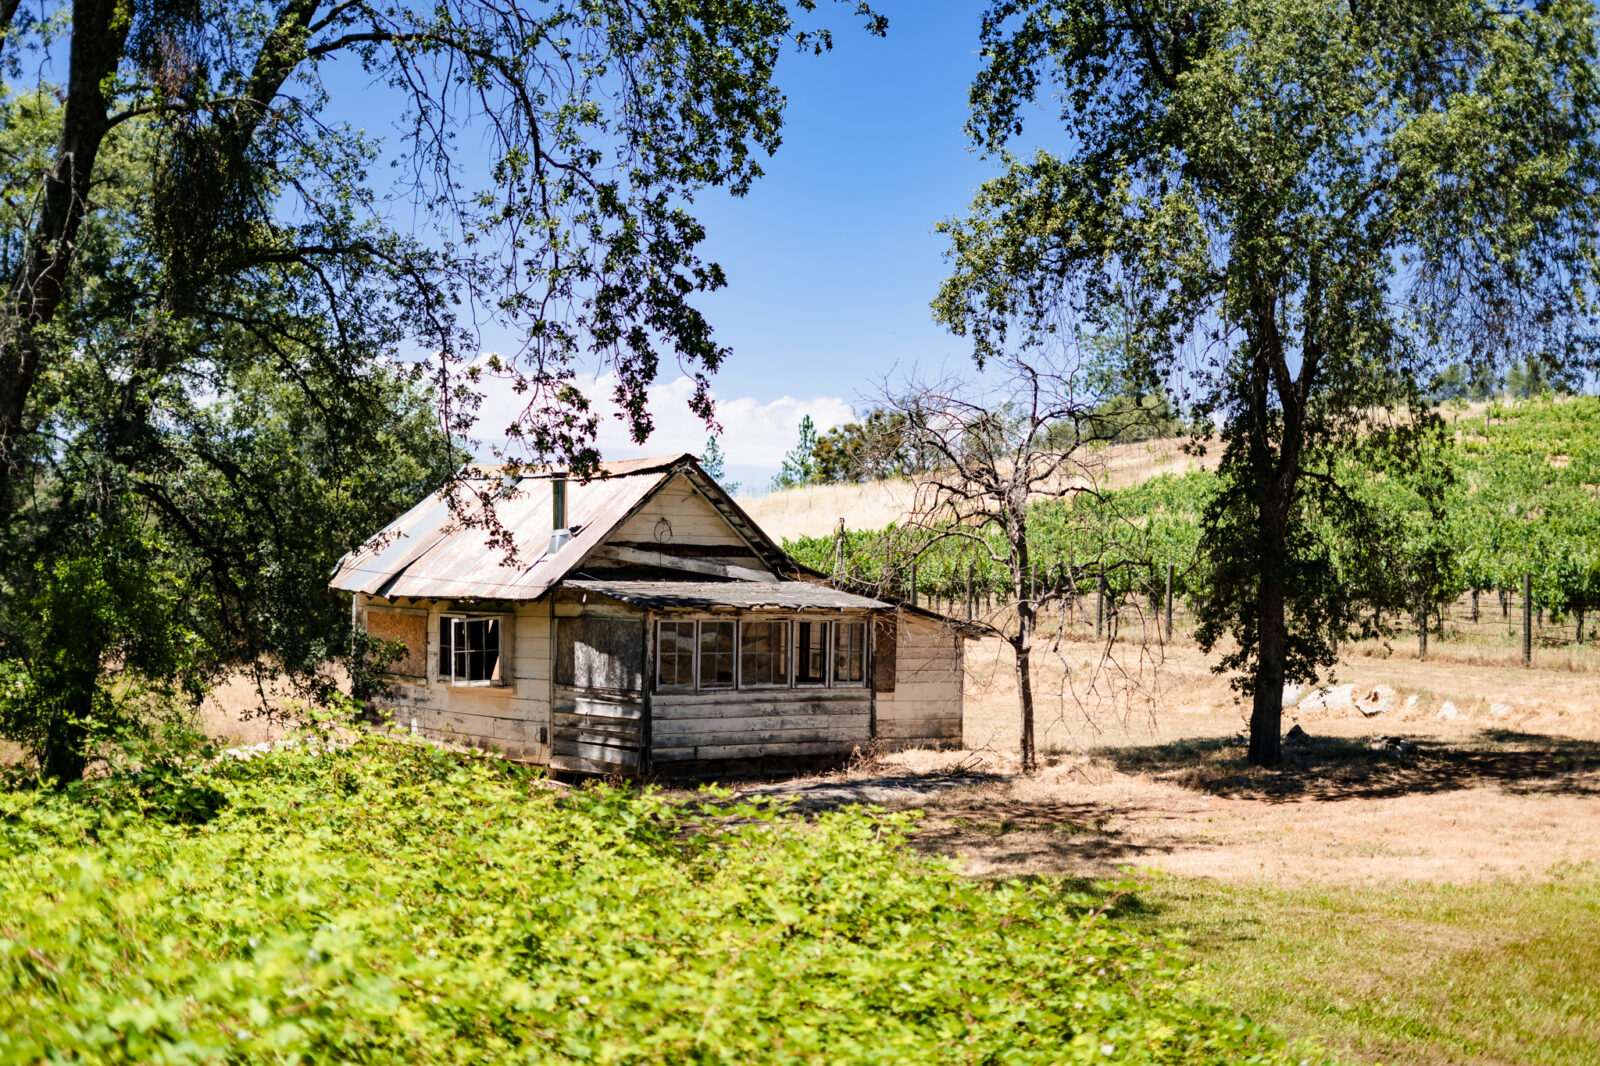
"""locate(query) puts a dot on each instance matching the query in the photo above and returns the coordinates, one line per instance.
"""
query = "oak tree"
(1298, 212)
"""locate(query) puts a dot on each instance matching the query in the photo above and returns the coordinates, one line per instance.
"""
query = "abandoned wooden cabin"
(645, 625)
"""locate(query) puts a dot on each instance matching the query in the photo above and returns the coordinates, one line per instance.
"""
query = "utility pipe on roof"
(560, 534)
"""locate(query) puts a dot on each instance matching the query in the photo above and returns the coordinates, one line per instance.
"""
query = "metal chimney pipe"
(559, 533)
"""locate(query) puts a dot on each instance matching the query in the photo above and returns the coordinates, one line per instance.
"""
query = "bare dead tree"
(1018, 434)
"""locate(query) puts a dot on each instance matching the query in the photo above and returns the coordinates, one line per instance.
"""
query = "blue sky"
(832, 258)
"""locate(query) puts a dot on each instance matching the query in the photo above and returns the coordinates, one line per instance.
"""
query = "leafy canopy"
(1297, 212)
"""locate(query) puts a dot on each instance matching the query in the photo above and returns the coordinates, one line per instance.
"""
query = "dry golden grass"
(815, 510)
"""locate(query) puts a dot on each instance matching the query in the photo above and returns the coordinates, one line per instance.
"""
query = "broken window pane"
(675, 655)
(811, 653)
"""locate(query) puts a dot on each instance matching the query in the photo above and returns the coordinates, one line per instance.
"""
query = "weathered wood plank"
(614, 755)
(594, 708)
(572, 764)
(890, 729)
(751, 751)
(785, 738)
(574, 727)
(634, 556)
(752, 703)
(829, 723)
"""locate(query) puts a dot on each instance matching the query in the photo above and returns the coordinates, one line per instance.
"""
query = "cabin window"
(811, 653)
(849, 653)
(675, 655)
(763, 654)
(469, 650)
(716, 654)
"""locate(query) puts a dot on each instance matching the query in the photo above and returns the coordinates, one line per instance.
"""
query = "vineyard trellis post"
(1527, 619)
(1422, 627)
(1169, 603)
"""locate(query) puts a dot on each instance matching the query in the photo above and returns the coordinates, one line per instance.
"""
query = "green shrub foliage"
(389, 902)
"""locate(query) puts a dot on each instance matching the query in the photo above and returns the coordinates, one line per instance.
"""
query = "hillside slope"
(815, 510)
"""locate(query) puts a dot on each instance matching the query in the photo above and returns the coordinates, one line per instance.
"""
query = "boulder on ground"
(1296, 736)
(1376, 702)
(1291, 695)
(1338, 698)
(1448, 710)
(1411, 704)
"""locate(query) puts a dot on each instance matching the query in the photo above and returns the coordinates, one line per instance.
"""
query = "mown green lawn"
(1504, 972)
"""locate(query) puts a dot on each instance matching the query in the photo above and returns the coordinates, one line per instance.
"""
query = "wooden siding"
(596, 733)
(693, 520)
(924, 710)
(513, 718)
(776, 724)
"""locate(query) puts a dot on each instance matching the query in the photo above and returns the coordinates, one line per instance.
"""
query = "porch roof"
(744, 595)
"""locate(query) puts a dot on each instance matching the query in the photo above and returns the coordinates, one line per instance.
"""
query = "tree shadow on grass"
(1336, 768)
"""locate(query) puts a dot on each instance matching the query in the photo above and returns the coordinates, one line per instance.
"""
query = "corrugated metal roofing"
(748, 595)
(434, 552)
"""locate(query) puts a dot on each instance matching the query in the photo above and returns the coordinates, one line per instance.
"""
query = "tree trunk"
(99, 29)
(1023, 652)
(1272, 653)
(64, 755)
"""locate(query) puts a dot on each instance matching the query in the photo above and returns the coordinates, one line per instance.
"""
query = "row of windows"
(690, 655)
(708, 655)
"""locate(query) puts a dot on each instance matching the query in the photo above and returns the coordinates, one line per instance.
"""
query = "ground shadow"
(1044, 835)
(1335, 768)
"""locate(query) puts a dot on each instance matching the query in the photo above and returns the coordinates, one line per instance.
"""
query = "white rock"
(1448, 710)
(1499, 710)
(1411, 703)
(1379, 700)
(1340, 698)
(1291, 695)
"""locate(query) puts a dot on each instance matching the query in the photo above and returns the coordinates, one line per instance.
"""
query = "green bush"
(388, 902)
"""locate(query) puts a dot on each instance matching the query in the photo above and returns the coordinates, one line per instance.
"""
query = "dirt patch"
(1146, 769)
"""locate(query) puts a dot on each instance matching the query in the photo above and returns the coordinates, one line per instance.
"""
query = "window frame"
(699, 653)
(791, 651)
(788, 658)
(827, 625)
(502, 661)
(866, 653)
(694, 654)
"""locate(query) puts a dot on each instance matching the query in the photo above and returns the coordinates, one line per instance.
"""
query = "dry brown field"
(1144, 768)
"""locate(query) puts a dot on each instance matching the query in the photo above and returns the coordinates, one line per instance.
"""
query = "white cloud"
(755, 433)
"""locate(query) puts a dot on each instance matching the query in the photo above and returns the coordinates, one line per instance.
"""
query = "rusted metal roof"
(434, 551)
(746, 595)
